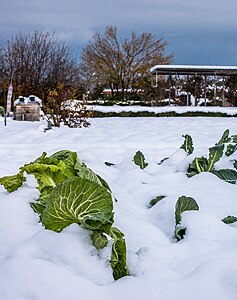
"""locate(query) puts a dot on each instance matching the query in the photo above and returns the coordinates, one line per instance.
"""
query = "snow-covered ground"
(38, 264)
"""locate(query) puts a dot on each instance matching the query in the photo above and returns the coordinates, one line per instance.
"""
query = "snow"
(27, 100)
(178, 109)
(40, 264)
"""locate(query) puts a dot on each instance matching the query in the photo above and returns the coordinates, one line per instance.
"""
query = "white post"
(9, 99)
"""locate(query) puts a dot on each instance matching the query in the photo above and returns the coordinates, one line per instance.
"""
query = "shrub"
(2, 112)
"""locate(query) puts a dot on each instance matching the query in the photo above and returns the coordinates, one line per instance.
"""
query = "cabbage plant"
(227, 145)
(70, 193)
(183, 204)
(187, 144)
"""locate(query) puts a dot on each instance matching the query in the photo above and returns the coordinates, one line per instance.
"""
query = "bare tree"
(37, 63)
(122, 64)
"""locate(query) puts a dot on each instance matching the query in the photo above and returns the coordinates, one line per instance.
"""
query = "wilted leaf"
(12, 183)
(47, 175)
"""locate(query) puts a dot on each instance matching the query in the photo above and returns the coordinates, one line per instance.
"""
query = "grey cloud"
(77, 20)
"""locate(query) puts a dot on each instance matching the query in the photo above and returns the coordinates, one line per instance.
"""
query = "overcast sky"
(198, 31)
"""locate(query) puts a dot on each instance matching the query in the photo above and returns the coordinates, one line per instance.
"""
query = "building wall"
(27, 112)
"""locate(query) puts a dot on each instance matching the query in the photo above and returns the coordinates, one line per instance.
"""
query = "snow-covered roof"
(189, 69)
(28, 100)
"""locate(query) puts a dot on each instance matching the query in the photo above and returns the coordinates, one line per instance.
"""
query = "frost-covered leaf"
(184, 203)
(79, 200)
(157, 199)
(139, 160)
(119, 257)
(12, 183)
(227, 175)
(188, 144)
(229, 220)
(99, 239)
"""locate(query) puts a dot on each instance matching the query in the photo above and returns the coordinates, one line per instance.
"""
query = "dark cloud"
(199, 31)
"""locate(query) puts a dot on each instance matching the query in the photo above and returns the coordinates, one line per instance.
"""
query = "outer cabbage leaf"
(12, 183)
(43, 159)
(139, 160)
(201, 164)
(184, 203)
(215, 153)
(99, 239)
(118, 257)
(231, 148)
(227, 175)
(109, 164)
(224, 138)
(235, 164)
(71, 160)
(198, 165)
(41, 204)
(188, 144)
(47, 176)
(157, 199)
(164, 159)
(179, 232)
(229, 220)
(79, 200)
(87, 173)
(103, 183)
(234, 139)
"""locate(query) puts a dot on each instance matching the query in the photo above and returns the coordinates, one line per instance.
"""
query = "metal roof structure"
(194, 70)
